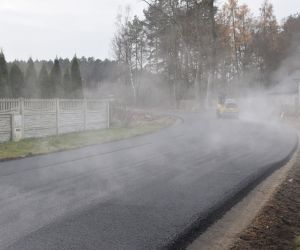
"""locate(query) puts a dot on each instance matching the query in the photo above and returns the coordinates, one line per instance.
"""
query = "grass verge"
(38, 146)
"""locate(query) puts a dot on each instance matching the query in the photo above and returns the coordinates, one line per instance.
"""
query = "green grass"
(37, 146)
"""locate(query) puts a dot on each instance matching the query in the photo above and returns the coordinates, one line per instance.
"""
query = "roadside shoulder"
(278, 224)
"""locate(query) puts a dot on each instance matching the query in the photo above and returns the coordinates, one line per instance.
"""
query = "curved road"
(141, 193)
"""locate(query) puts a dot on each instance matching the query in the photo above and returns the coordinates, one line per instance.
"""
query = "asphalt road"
(140, 193)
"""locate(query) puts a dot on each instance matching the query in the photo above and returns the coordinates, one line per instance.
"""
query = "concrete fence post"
(57, 115)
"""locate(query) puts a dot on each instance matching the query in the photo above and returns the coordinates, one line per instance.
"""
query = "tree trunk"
(212, 67)
(132, 84)
(210, 79)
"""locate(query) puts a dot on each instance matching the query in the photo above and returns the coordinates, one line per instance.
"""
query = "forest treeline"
(52, 83)
(60, 78)
(179, 49)
(201, 50)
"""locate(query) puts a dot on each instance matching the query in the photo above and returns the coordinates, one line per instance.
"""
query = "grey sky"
(46, 28)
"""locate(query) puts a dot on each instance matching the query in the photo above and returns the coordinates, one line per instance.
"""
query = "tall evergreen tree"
(47, 89)
(16, 80)
(4, 84)
(67, 83)
(77, 89)
(56, 80)
(31, 89)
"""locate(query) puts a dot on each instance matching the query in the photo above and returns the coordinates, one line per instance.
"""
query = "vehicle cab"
(227, 108)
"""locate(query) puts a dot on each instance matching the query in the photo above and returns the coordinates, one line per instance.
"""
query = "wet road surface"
(140, 193)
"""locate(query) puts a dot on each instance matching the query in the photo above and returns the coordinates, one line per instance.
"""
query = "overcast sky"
(44, 29)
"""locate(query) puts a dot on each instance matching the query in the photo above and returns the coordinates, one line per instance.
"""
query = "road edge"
(195, 229)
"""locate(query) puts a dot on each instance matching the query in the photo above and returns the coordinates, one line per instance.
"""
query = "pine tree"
(77, 91)
(56, 79)
(16, 80)
(47, 90)
(4, 84)
(31, 89)
(67, 83)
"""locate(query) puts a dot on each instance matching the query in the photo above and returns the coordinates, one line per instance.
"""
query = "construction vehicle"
(227, 108)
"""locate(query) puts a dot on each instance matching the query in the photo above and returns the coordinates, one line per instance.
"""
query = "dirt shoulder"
(277, 225)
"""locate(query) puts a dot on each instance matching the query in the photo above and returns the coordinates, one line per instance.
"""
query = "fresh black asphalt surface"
(141, 193)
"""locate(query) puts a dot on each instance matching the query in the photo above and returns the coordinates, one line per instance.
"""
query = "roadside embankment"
(277, 226)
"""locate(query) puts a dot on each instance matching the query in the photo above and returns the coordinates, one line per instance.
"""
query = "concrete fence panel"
(9, 105)
(71, 116)
(39, 118)
(97, 115)
(46, 117)
(5, 127)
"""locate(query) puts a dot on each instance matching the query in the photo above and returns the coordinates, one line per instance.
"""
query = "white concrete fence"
(28, 118)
